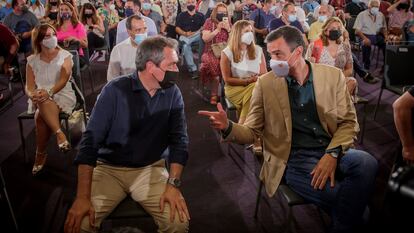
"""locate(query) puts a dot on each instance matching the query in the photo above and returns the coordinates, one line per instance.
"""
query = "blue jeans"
(188, 52)
(354, 181)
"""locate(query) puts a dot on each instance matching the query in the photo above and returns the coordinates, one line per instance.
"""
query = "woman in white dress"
(47, 74)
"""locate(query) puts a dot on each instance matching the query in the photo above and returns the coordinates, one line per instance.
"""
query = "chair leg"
(364, 118)
(259, 192)
(379, 100)
(23, 140)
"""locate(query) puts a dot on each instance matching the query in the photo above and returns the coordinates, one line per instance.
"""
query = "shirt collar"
(138, 86)
(291, 81)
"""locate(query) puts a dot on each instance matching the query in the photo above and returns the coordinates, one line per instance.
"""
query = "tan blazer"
(270, 117)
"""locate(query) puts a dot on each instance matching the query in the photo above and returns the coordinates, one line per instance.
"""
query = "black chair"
(364, 102)
(80, 104)
(227, 104)
(397, 75)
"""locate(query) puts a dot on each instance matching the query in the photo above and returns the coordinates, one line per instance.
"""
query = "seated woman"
(52, 10)
(95, 27)
(333, 49)
(241, 63)
(47, 73)
(70, 30)
(37, 8)
(215, 30)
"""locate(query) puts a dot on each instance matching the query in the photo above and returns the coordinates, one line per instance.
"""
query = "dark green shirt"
(307, 131)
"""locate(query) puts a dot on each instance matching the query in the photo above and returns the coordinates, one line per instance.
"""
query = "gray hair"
(129, 21)
(291, 35)
(152, 49)
(371, 1)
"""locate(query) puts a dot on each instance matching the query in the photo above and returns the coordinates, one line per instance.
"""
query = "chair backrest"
(106, 35)
(398, 65)
(76, 71)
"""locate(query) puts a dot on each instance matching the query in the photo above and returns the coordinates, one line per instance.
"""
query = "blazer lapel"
(282, 95)
(320, 97)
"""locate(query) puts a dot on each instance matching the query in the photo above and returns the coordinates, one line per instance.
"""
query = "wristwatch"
(174, 182)
(334, 154)
(50, 92)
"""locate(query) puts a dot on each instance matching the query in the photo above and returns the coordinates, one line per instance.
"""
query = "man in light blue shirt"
(310, 6)
(134, 7)
(6, 10)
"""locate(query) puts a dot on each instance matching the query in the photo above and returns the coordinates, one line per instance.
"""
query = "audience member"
(135, 119)
(261, 18)
(188, 26)
(8, 47)
(110, 16)
(70, 32)
(94, 25)
(333, 48)
(147, 11)
(399, 13)
(122, 60)
(6, 10)
(371, 27)
(47, 74)
(133, 7)
(37, 8)
(215, 30)
(338, 4)
(316, 27)
(403, 118)
(241, 63)
(170, 11)
(120, 8)
(21, 22)
(353, 8)
(308, 123)
(52, 10)
(309, 6)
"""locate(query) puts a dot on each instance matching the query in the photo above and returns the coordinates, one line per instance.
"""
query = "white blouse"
(46, 75)
(246, 67)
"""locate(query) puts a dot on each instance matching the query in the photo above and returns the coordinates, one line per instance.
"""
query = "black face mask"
(53, 3)
(220, 16)
(53, 15)
(190, 7)
(334, 34)
(88, 15)
(403, 6)
(169, 80)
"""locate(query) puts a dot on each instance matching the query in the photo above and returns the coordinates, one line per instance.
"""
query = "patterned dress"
(210, 65)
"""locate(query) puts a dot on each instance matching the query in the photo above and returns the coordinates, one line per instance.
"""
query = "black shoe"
(194, 75)
(368, 78)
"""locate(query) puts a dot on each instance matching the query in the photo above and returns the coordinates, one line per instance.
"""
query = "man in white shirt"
(134, 7)
(122, 59)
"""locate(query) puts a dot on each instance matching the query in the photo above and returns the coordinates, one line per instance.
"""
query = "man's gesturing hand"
(218, 120)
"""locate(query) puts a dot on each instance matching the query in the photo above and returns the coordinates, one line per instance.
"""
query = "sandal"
(213, 100)
(40, 161)
(64, 146)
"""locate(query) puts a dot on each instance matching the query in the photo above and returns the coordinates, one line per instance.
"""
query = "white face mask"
(112, 7)
(247, 38)
(50, 43)
(281, 68)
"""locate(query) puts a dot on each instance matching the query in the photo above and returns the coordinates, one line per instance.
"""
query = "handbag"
(218, 47)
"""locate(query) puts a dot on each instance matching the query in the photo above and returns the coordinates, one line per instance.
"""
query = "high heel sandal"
(40, 161)
(64, 146)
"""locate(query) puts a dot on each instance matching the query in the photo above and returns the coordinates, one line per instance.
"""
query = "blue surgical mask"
(129, 12)
(33, 1)
(9, 1)
(292, 18)
(322, 18)
(374, 10)
(146, 6)
(356, 1)
(273, 9)
(140, 37)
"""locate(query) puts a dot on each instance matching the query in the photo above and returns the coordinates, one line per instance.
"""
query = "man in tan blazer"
(308, 124)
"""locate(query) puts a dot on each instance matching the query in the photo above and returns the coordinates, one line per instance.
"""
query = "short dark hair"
(14, 3)
(152, 49)
(136, 2)
(129, 21)
(291, 35)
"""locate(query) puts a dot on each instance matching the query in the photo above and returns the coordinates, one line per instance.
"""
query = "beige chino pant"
(111, 184)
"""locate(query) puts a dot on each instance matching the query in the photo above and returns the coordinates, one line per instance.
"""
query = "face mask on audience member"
(140, 37)
(403, 6)
(281, 68)
(53, 3)
(220, 16)
(3, 4)
(65, 15)
(273, 9)
(129, 12)
(292, 18)
(356, 1)
(334, 34)
(322, 18)
(170, 77)
(33, 1)
(190, 7)
(247, 38)
(112, 7)
(50, 43)
(52, 15)
(374, 10)
(88, 13)
(146, 6)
